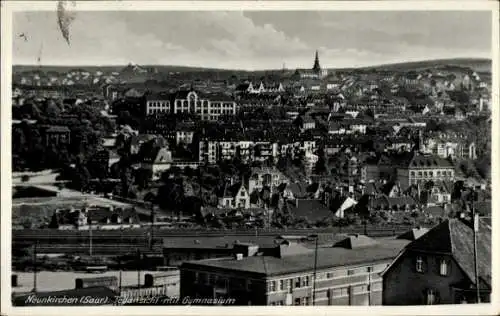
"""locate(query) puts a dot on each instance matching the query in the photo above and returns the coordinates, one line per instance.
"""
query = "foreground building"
(438, 268)
(346, 273)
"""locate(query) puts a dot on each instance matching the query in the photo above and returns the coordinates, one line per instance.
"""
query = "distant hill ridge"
(476, 64)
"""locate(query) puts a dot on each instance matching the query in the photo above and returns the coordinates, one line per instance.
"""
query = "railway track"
(26, 234)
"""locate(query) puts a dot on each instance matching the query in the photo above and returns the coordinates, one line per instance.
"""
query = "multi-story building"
(265, 177)
(424, 168)
(208, 151)
(266, 151)
(438, 268)
(454, 148)
(207, 107)
(346, 273)
(157, 103)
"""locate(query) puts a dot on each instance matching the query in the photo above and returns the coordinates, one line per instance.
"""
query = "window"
(350, 272)
(297, 282)
(282, 285)
(329, 275)
(340, 292)
(271, 286)
(297, 301)
(419, 264)
(305, 281)
(431, 297)
(443, 267)
(369, 269)
(203, 278)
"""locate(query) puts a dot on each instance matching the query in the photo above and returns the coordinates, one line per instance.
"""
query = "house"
(436, 193)
(265, 177)
(307, 123)
(438, 268)
(157, 160)
(235, 196)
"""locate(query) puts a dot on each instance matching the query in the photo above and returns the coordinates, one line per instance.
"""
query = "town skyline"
(251, 40)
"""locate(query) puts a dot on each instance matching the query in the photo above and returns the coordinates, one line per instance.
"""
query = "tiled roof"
(428, 161)
(455, 237)
(313, 210)
(414, 233)
(58, 129)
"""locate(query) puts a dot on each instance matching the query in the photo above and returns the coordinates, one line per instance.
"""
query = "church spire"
(316, 66)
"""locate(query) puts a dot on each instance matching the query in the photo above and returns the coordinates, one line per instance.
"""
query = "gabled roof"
(230, 191)
(455, 237)
(428, 161)
(414, 233)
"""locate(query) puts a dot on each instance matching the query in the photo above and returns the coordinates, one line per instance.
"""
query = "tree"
(82, 178)
(143, 177)
(320, 165)
(54, 221)
(52, 109)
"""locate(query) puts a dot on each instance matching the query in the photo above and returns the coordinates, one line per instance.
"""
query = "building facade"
(438, 268)
(345, 274)
(424, 168)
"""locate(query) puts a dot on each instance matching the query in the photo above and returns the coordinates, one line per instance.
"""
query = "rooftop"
(329, 257)
(455, 237)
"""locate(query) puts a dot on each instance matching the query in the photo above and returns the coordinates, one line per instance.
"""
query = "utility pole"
(475, 219)
(316, 237)
(90, 233)
(369, 285)
(35, 265)
(138, 268)
(120, 277)
(152, 227)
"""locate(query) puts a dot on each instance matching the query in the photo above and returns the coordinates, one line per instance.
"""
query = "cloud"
(252, 40)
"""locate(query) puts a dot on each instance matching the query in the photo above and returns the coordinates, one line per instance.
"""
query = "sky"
(251, 40)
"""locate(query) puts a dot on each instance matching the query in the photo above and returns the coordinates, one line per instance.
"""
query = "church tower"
(316, 67)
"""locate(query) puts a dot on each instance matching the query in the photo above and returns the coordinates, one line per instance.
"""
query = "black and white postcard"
(275, 157)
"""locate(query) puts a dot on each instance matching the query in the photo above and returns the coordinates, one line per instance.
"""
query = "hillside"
(476, 64)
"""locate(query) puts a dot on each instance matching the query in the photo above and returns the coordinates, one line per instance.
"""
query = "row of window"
(288, 284)
(444, 266)
(215, 111)
(431, 173)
